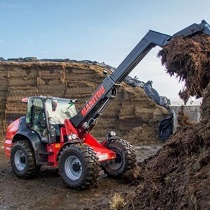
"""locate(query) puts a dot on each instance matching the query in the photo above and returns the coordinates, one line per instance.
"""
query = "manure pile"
(178, 176)
(188, 59)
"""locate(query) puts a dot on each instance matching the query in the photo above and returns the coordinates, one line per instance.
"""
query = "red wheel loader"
(54, 133)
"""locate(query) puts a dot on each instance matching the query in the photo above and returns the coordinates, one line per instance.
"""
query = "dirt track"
(48, 192)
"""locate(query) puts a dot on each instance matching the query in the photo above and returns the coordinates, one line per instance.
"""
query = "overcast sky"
(97, 30)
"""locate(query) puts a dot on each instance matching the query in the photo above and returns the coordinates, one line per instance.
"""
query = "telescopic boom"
(86, 117)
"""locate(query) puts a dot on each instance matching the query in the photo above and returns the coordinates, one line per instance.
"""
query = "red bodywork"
(102, 152)
(53, 149)
(11, 131)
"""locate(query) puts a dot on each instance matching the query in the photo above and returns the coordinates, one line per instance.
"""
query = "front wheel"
(78, 166)
(125, 160)
(22, 160)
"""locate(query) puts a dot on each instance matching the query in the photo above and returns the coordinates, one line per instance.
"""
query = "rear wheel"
(78, 166)
(125, 159)
(22, 160)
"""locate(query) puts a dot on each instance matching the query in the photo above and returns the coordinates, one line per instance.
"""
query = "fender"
(64, 145)
(25, 133)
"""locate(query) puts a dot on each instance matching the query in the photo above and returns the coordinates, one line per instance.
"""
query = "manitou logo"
(93, 101)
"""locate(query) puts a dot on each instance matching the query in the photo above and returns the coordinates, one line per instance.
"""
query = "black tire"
(22, 160)
(78, 166)
(126, 158)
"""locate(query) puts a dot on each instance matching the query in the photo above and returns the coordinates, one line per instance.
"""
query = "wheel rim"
(117, 162)
(73, 167)
(20, 160)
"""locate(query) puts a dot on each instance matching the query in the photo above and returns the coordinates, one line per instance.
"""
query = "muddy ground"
(48, 192)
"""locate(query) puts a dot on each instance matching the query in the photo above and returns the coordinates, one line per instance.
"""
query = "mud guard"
(25, 133)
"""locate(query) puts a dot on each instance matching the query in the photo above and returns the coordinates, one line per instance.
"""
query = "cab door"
(36, 117)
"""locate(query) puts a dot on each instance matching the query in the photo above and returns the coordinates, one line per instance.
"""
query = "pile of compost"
(188, 59)
(178, 176)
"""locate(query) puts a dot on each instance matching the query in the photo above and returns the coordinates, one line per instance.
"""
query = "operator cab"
(46, 116)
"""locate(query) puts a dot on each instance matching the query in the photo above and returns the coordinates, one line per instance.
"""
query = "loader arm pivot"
(85, 119)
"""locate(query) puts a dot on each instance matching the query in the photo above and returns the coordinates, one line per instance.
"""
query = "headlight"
(112, 133)
(72, 136)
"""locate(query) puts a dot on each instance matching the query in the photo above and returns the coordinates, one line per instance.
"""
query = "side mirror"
(54, 104)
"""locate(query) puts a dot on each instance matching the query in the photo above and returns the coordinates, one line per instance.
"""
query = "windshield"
(65, 109)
